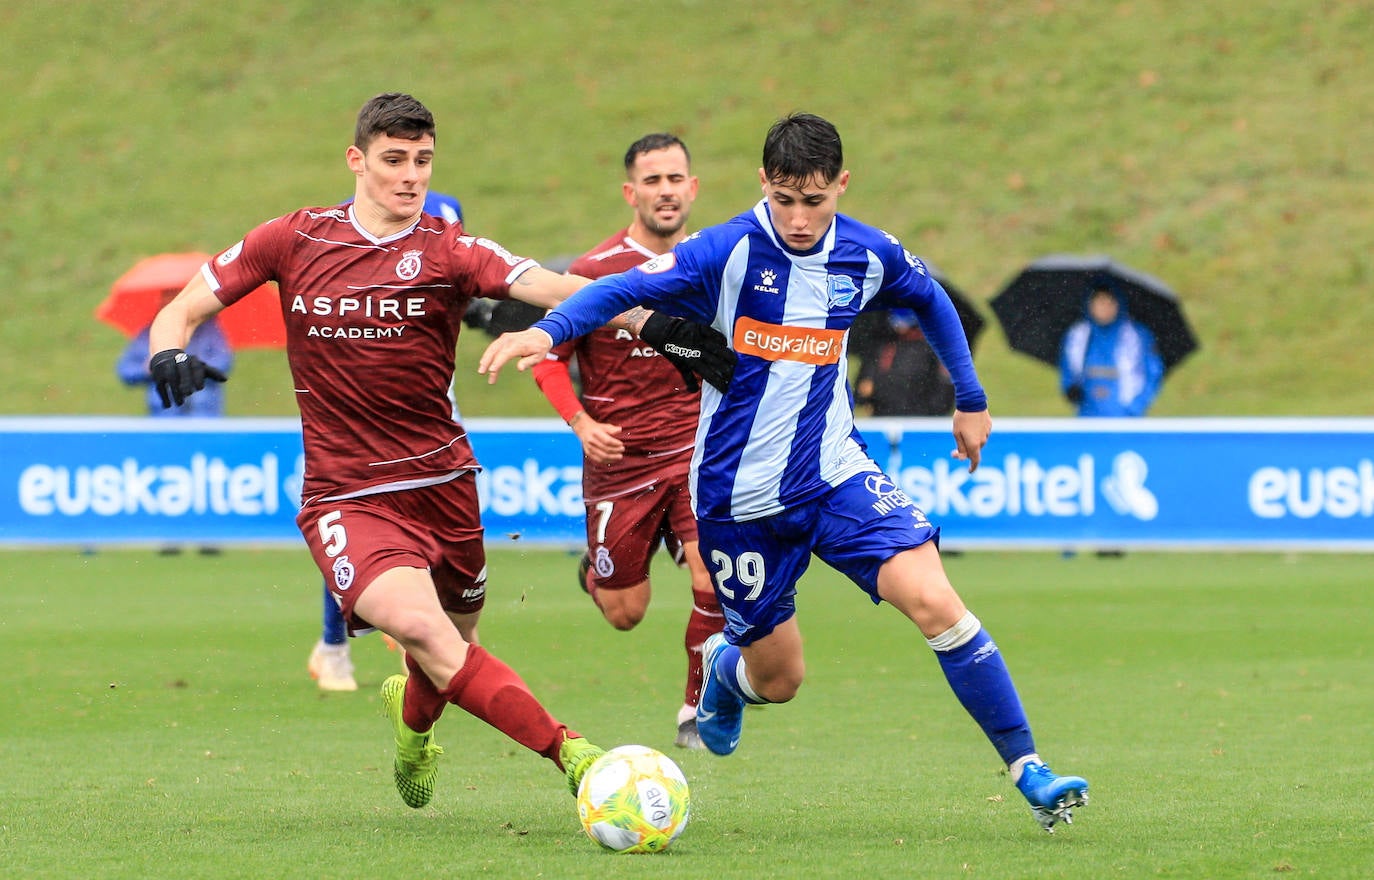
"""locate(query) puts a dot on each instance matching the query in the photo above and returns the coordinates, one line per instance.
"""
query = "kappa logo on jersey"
(343, 573)
(230, 255)
(774, 342)
(660, 263)
(840, 289)
(767, 278)
(409, 267)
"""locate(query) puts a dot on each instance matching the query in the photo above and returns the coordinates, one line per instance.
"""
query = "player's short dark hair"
(656, 141)
(801, 145)
(395, 115)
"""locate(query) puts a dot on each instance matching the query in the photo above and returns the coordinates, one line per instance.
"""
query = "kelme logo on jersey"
(840, 289)
(767, 278)
(409, 267)
(773, 342)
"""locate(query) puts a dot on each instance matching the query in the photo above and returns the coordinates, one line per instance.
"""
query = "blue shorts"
(854, 528)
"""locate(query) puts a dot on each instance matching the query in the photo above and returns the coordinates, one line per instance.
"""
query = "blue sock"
(730, 673)
(976, 672)
(334, 633)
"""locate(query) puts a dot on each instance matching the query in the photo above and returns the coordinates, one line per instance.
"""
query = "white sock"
(964, 629)
(1017, 767)
(741, 679)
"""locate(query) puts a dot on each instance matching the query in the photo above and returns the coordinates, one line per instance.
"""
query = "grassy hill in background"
(1221, 146)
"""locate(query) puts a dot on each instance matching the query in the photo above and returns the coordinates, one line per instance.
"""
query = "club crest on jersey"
(409, 266)
(841, 290)
(604, 565)
(767, 278)
(343, 573)
(660, 263)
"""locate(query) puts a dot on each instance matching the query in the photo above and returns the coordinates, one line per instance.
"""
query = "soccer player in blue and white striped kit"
(780, 472)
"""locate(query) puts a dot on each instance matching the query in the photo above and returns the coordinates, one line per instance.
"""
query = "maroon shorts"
(434, 527)
(624, 530)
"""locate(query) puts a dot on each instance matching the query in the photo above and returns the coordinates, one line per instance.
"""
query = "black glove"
(178, 375)
(1075, 394)
(478, 315)
(695, 349)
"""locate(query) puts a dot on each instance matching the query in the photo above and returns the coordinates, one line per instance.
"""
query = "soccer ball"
(634, 799)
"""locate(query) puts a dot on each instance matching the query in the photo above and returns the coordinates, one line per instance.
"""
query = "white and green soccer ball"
(634, 799)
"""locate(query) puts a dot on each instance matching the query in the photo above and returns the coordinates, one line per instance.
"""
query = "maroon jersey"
(624, 381)
(371, 327)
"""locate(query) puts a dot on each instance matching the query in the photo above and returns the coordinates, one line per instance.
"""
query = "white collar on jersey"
(374, 239)
(819, 253)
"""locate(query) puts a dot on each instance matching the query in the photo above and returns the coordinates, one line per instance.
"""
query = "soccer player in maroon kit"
(637, 420)
(373, 295)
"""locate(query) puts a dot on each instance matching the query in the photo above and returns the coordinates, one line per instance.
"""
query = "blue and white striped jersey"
(784, 431)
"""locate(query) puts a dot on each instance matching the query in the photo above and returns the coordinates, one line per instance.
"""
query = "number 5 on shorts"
(332, 533)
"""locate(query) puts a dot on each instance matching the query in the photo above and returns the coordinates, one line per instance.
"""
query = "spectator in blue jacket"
(1109, 364)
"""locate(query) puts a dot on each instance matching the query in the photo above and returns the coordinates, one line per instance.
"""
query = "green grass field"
(159, 723)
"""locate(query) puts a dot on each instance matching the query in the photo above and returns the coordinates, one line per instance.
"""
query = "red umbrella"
(253, 322)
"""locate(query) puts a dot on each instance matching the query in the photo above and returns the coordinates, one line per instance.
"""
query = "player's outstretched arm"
(527, 348)
(971, 431)
(538, 286)
(176, 374)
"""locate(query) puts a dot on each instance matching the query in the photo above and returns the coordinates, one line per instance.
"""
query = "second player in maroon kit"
(636, 419)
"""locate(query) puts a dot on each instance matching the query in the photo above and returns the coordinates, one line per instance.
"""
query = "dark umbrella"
(872, 327)
(1038, 305)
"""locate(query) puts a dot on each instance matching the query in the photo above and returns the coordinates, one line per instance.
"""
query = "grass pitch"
(159, 723)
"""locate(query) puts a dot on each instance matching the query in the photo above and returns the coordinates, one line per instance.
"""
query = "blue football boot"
(1051, 798)
(720, 714)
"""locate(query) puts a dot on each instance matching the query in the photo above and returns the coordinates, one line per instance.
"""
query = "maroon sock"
(423, 703)
(490, 690)
(705, 619)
